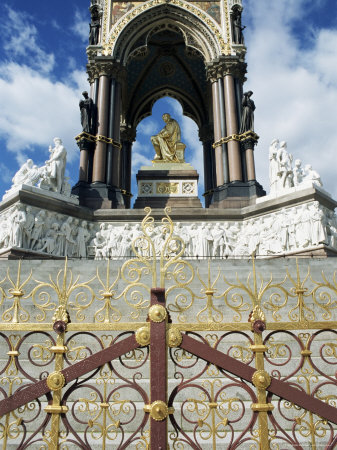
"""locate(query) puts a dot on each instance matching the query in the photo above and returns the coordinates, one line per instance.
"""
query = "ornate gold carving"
(158, 410)
(157, 313)
(174, 337)
(61, 314)
(257, 314)
(59, 349)
(55, 381)
(55, 409)
(262, 407)
(143, 336)
(258, 348)
(261, 379)
(167, 188)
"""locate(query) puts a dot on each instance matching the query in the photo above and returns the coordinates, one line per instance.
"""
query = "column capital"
(227, 65)
(128, 133)
(105, 66)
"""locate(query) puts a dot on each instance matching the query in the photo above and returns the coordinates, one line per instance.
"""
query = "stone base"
(177, 186)
(174, 202)
(237, 194)
(98, 196)
(21, 253)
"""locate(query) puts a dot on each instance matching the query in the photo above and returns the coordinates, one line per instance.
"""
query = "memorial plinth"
(167, 184)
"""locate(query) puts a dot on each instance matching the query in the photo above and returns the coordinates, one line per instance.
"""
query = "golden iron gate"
(209, 359)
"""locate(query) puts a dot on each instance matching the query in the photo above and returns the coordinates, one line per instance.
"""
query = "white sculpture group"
(289, 230)
(49, 177)
(283, 174)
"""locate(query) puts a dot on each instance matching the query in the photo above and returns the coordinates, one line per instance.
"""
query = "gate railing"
(233, 364)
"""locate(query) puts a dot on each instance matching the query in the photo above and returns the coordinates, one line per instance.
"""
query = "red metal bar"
(77, 370)
(158, 372)
(280, 388)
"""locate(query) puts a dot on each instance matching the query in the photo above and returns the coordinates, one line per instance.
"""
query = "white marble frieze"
(293, 229)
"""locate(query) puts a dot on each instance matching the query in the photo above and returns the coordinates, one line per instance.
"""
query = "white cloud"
(138, 157)
(81, 25)
(295, 88)
(20, 40)
(147, 127)
(38, 109)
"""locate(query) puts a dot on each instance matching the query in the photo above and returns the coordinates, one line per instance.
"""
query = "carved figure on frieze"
(82, 240)
(87, 113)
(218, 235)
(247, 117)
(38, 229)
(303, 227)
(28, 227)
(318, 224)
(125, 242)
(67, 240)
(100, 246)
(5, 230)
(18, 219)
(50, 240)
(167, 142)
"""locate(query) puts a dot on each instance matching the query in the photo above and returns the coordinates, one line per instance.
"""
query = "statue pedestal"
(167, 184)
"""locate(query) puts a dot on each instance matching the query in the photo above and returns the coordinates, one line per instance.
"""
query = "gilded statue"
(167, 142)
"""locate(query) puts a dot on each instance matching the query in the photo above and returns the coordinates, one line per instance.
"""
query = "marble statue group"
(285, 173)
(50, 177)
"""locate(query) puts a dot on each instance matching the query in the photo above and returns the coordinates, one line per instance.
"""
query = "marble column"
(116, 155)
(234, 157)
(219, 167)
(128, 135)
(99, 163)
(206, 137)
(249, 157)
(110, 148)
(223, 129)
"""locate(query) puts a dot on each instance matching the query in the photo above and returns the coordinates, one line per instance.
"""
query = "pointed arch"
(200, 32)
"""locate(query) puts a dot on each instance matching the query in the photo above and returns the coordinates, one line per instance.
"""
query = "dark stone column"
(206, 137)
(99, 166)
(217, 133)
(128, 135)
(248, 147)
(116, 155)
(110, 148)
(223, 129)
(234, 159)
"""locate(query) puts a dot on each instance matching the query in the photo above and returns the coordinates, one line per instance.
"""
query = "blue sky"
(292, 67)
